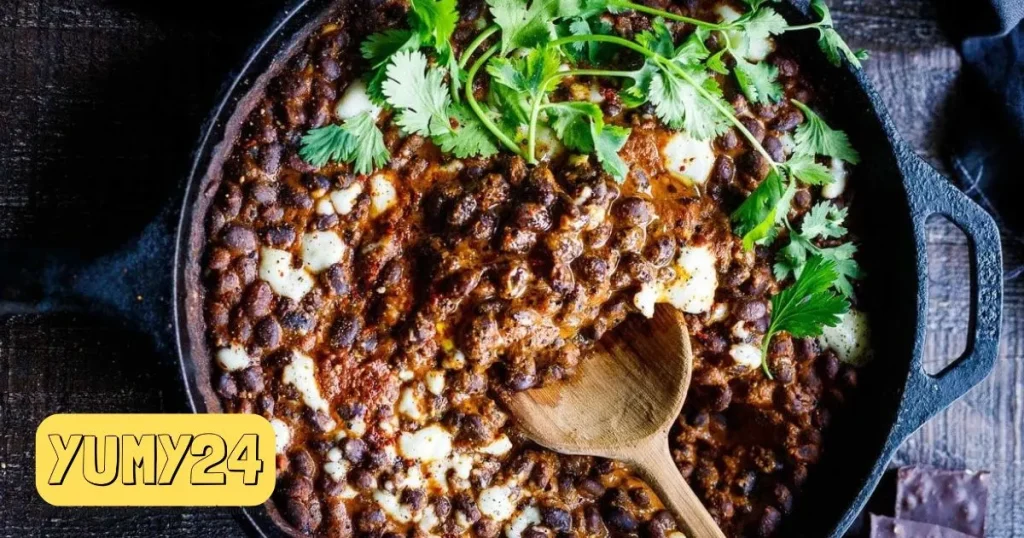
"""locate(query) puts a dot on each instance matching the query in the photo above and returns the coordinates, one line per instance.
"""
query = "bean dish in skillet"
(435, 201)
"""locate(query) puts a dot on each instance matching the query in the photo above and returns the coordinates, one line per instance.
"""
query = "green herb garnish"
(358, 140)
(807, 307)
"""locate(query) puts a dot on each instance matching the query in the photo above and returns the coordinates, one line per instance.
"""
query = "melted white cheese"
(498, 447)
(282, 435)
(746, 355)
(529, 516)
(301, 374)
(324, 207)
(388, 502)
(321, 250)
(276, 269)
(851, 339)
(428, 444)
(344, 200)
(355, 101)
(692, 290)
(838, 185)
(382, 194)
(233, 358)
(497, 503)
(409, 404)
(337, 470)
(688, 158)
(434, 380)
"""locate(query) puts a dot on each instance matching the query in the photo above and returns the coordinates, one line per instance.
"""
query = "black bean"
(634, 211)
(263, 193)
(517, 241)
(338, 279)
(828, 364)
(228, 283)
(270, 159)
(754, 164)
(593, 269)
(462, 210)
(226, 387)
(414, 498)
(768, 522)
(487, 528)
(533, 217)
(619, 519)
(246, 267)
(465, 504)
(344, 330)
(774, 148)
(252, 379)
(751, 310)
(592, 520)
(728, 141)
(352, 410)
(239, 238)
(484, 226)
(299, 322)
(364, 480)
(443, 507)
(755, 127)
(297, 199)
(532, 532)
(371, 521)
(590, 488)
(268, 333)
(522, 381)
(354, 450)
(297, 513)
(557, 519)
(280, 236)
(788, 120)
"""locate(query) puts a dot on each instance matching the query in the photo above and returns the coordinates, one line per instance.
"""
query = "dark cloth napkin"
(986, 134)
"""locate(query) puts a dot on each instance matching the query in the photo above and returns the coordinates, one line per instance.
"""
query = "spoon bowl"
(621, 404)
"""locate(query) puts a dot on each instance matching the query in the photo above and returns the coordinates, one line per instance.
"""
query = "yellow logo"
(155, 460)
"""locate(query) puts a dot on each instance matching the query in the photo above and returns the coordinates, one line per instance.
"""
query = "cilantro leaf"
(358, 140)
(823, 221)
(755, 4)
(761, 23)
(572, 123)
(521, 25)
(435, 20)
(419, 95)
(681, 106)
(804, 168)
(469, 138)
(607, 143)
(815, 137)
(758, 82)
(378, 48)
(658, 39)
(756, 216)
(807, 307)
(831, 42)
(527, 74)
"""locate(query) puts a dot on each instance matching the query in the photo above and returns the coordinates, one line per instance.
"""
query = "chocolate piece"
(887, 527)
(952, 499)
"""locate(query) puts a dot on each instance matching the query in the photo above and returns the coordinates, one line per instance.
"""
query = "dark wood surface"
(100, 104)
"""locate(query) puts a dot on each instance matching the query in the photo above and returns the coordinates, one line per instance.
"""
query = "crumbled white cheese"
(528, 516)
(382, 194)
(409, 404)
(337, 470)
(324, 206)
(434, 381)
(344, 200)
(428, 444)
(301, 373)
(496, 502)
(233, 358)
(688, 158)
(693, 291)
(412, 479)
(739, 330)
(788, 143)
(719, 312)
(428, 520)
(838, 185)
(321, 250)
(282, 435)
(276, 269)
(355, 101)
(498, 447)
(388, 502)
(746, 355)
(334, 454)
(851, 339)
(406, 375)
(645, 299)
(549, 145)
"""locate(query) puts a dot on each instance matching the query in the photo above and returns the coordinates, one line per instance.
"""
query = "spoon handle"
(654, 462)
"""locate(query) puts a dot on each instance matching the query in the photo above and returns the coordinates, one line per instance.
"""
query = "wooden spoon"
(620, 405)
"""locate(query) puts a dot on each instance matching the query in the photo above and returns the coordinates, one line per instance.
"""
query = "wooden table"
(100, 103)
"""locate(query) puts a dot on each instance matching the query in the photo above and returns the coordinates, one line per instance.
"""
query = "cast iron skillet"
(896, 190)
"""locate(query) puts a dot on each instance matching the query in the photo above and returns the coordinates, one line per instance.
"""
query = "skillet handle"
(930, 193)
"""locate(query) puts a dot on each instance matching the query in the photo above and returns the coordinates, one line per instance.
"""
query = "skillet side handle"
(929, 194)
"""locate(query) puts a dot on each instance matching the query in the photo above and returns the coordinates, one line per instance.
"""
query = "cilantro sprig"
(357, 140)
(807, 307)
